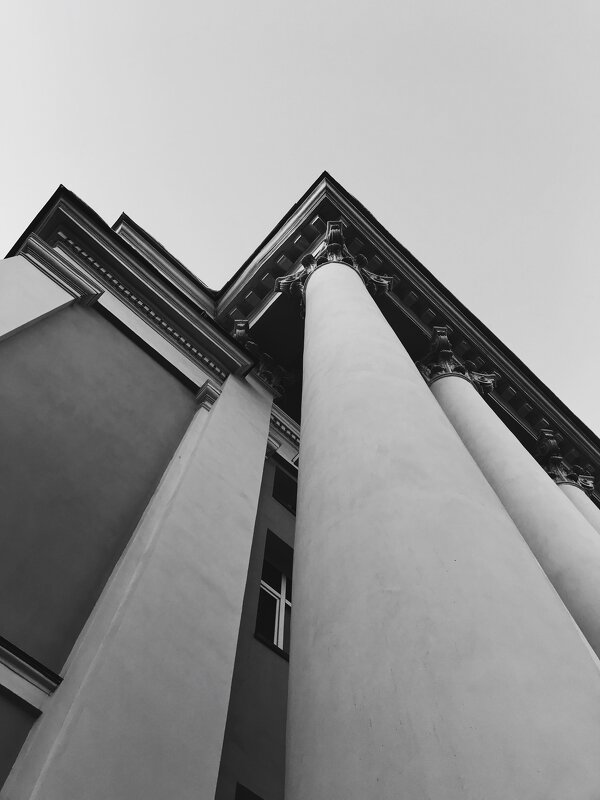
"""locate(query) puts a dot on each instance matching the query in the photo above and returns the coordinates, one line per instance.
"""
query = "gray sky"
(470, 129)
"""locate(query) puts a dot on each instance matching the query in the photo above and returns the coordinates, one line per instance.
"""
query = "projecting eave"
(128, 264)
(417, 303)
(139, 274)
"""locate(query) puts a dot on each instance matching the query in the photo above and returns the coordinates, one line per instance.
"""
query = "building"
(446, 563)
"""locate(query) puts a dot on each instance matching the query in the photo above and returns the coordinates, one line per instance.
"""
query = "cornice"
(198, 347)
(299, 217)
(25, 677)
(99, 258)
(421, 298)
(170, 269)
(285, 426)
(207, 395)
(61, 270)
(179, 307)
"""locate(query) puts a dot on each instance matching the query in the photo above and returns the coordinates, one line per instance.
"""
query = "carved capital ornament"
(441, 361)
(334, 251)
(549, 455)
(268, 371)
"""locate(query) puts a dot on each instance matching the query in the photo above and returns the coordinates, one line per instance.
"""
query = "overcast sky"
(470, 129)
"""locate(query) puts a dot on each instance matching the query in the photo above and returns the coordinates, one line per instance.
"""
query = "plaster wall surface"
(430, 656)
(148, 717)
(583, 503)
(53, 726)
(16, 719)
(152, 339)
(254, 745)
(26, 295)
(559, 535)
(90, 422)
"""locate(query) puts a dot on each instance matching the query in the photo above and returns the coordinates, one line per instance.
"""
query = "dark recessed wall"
(16, 719)
(89, 423)
(254, 745)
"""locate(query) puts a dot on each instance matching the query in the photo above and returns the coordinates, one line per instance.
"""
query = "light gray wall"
(16, 719)
(430, 656)
(89, 423)
(142, 709)
(26, 294)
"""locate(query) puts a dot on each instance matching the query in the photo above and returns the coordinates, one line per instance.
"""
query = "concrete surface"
(582, 502)
(562, 540)
(26, 295)
(147, 690)
(431, 659)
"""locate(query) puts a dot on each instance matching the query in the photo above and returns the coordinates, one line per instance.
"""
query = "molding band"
(24, 677)
(207, 394)
(61, 270)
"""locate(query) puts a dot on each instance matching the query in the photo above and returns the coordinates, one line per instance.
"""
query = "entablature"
(88, 250)
(416, 304)
(201, 323)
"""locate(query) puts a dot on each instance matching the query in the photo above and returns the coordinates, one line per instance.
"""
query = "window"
(285, 489)
(273, 618)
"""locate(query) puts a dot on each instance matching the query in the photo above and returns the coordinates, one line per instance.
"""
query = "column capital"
(268, 371)
(441, 361)
(549, 455)
(334, 251)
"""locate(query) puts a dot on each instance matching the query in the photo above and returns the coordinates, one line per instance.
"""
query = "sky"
(470, 129)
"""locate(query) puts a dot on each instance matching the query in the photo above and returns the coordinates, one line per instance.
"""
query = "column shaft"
(582, 502)
(562, 540)
(430, 657)
(141, 712)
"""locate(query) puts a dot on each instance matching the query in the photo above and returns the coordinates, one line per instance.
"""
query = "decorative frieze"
(549, 455)
(286, 425)
(441, 360)
(66, 274)
(333, 251)
(145, 309)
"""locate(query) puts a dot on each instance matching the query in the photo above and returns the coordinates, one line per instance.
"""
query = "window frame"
(281, 603)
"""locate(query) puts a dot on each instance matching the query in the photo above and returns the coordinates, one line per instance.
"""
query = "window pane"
(266, 616)
(271, 576)
(286, 630)
(288, 588)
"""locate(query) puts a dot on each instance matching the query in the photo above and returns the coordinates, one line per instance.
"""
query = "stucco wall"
(89, 423)
(16, 718)
(26, 295)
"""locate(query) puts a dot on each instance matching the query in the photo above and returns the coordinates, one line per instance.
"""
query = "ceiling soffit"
(418, 302)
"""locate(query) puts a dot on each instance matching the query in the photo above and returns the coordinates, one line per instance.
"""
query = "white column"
(142, 708)
(430, 657)
(26, 295)
(583, 503)
(562, 540)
